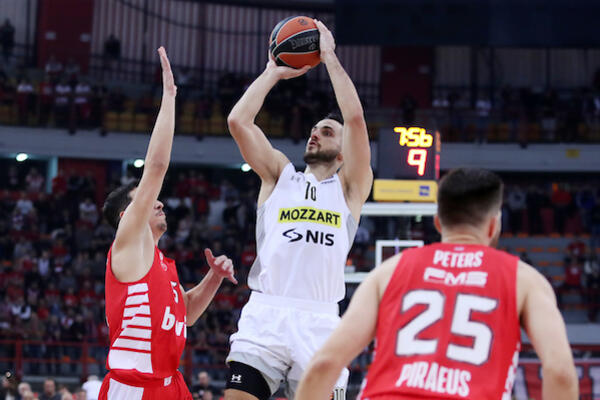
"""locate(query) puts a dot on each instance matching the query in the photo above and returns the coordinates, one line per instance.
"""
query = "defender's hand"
(169, 87)
(284, 72)
(326, 41)
(222, 265)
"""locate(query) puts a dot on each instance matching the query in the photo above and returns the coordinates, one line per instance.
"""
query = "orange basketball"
(294, 42)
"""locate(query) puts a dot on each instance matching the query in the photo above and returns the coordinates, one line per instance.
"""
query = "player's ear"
(494, 224)
(437, 223)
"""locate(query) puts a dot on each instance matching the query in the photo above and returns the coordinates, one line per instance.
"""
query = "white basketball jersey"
(304, 231)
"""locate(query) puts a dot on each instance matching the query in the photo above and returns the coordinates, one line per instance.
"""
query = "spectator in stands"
(98, 105)
(516, 200)
(64, 393)
(28, 395)
(203, 385)
(83, 92)
(535, 202)
(72, 70)
(8, 388)
(561, 200)
(53, 69)
(549, 121)
(591, 274)
(483, 107)
(88, 212)
(585, 201)
(80, 394)
(46, 100)
(92, 387)
(62, 103)
(112, 51)
(34, 181)
(22, 388)
(50, 392)
(127, 178)
(576, 249)
(24, 204)
(185, 82)
(59, 183)
(25, 99)
(7, 40)
(572, 282)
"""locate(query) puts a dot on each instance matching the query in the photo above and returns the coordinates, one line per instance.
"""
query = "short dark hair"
(336, 116)
(117, 201)
(467, 196)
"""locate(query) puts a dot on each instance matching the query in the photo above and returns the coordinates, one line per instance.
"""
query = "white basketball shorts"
(279, 335)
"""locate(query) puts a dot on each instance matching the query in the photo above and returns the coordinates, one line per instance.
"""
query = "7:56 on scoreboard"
(420, 150)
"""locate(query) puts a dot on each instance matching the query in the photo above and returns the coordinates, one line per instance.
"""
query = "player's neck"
(464, 238)
(321, 171)
(156, 237)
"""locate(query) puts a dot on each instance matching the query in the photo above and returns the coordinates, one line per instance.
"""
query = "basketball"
(294, 42)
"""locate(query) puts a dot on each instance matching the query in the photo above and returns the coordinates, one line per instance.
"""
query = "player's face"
(158, 219)
(324, 143)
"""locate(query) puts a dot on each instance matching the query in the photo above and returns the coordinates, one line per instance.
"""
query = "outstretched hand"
(326, 40)
(285, 72)
(221, 265)
(169, 87)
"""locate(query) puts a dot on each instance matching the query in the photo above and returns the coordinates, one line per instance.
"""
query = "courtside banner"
(528, 382)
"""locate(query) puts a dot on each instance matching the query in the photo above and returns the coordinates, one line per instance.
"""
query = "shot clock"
(408, 165)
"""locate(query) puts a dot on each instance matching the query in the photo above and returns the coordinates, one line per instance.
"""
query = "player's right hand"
(169, 87)
(221, 265)
(284, 72)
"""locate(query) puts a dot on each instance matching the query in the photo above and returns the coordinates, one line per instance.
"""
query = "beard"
(320, 157)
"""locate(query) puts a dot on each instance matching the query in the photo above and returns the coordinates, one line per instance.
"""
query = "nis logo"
(310, 236)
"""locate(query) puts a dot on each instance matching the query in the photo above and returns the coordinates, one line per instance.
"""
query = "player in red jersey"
(447, 317)
(147, 310)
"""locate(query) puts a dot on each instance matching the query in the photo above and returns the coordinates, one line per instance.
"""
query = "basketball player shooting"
(147, 309)
(305, 226)
(447, 316)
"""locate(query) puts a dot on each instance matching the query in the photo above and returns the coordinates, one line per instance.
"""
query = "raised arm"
(544, 325)
(134, 222)
(356, 172)
(254, 146)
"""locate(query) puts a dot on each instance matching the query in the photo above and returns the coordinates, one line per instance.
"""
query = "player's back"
(448, 326)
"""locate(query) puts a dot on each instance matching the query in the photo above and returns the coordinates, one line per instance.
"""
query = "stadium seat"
(126, 122)
(111, 121)
(140, 122)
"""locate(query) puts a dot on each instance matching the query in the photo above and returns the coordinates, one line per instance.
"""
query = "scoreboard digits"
(408, 164)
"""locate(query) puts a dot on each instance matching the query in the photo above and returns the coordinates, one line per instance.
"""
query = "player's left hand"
(326, 40)
(169, 87)
(221, 265)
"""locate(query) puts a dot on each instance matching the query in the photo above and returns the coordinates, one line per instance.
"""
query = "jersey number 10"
(407, 343)
(311, 191)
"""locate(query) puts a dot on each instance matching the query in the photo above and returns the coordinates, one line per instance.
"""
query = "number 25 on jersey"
(407, 343)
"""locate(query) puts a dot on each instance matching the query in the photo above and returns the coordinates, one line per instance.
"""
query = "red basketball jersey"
(448, 326)
(147, 323)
